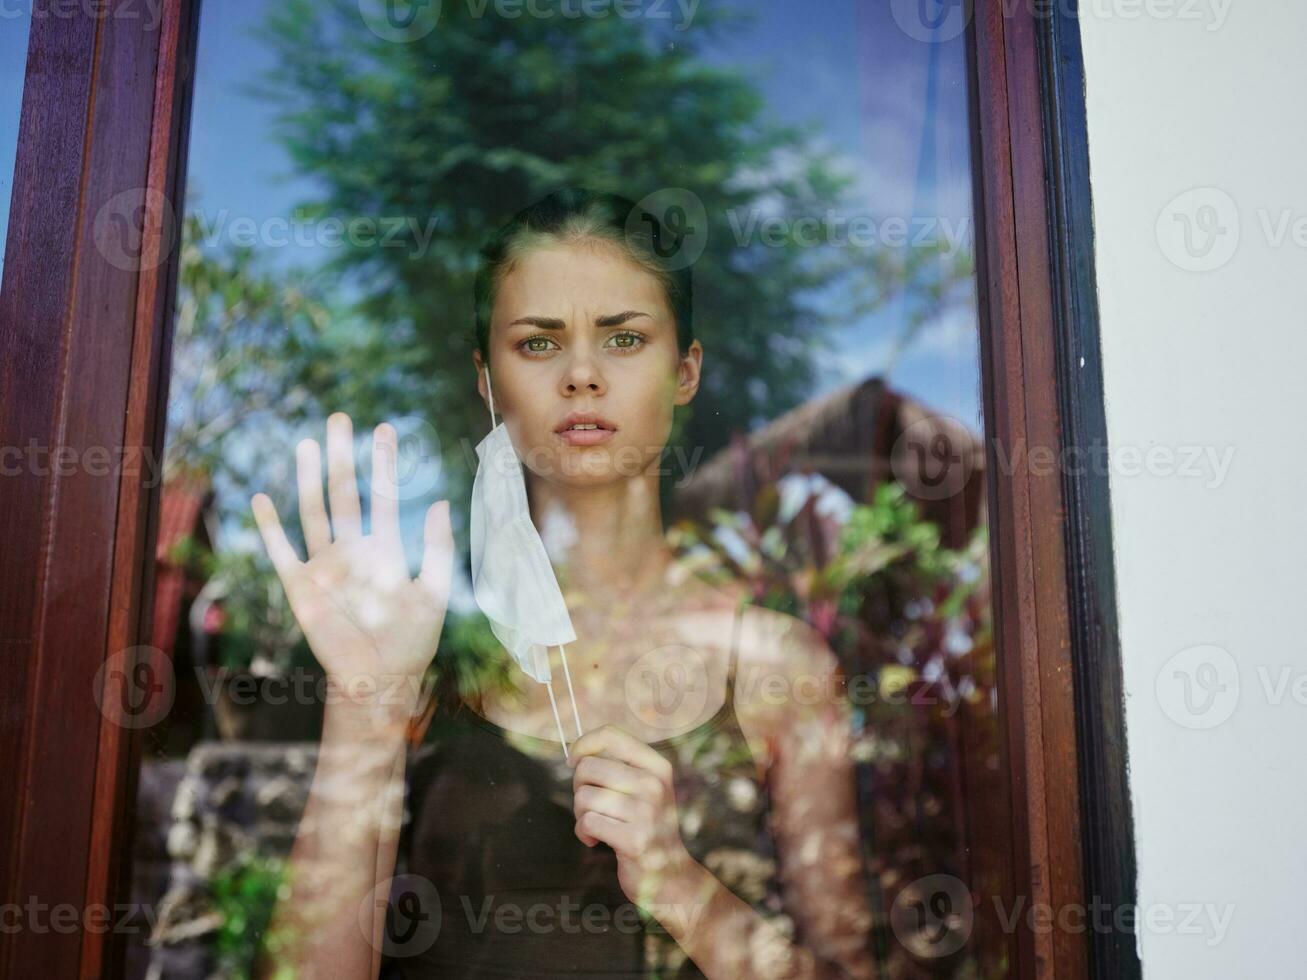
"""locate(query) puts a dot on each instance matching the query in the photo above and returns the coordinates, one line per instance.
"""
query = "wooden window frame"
(85, 347)
(1073, 832)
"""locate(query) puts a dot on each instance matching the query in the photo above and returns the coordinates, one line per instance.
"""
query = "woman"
(704, 825)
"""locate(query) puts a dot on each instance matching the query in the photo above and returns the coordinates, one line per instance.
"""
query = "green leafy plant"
(245, 895)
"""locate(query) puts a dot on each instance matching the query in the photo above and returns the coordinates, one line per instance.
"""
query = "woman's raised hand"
(372, 627)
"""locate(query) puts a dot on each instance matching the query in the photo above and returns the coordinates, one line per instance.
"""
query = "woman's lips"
(585, 437)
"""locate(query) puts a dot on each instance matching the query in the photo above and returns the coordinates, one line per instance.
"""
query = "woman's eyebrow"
(553, 323)
(543, 322)
(617, 319)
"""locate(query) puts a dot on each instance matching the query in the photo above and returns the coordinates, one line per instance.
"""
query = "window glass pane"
(745, 399)
(15, 22)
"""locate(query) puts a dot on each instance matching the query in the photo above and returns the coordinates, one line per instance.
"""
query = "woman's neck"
(604, 541)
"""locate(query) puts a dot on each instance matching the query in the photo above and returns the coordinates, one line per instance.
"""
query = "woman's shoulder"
(783, 643)
(766, 638)
(784, 667)
(787, 678)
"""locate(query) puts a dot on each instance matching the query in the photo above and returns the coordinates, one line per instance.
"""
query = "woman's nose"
(582, 376)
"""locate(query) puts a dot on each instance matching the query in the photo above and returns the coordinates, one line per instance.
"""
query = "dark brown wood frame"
(85, 330)
(85, 364)
(1026, 508)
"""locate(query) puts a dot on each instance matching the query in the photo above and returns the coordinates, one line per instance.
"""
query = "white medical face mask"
(512, 579)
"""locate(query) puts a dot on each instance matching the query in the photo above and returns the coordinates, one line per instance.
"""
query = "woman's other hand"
(372, 627)
(624, 796)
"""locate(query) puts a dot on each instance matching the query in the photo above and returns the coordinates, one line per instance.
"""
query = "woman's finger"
(617, 834)
(313, 510)
(437, 551)
(601, 799)
(384, 498)
(616, 776)
(616, 743)
(342, 487)
(283, 556)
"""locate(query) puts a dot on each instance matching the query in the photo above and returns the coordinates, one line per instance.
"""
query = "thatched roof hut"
(858, 437)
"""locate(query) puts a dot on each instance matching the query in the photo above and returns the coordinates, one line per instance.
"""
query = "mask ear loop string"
(491, 392)
(571, 694)
(553, 704)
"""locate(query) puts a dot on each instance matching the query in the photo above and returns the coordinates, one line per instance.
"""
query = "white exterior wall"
(1210, 94)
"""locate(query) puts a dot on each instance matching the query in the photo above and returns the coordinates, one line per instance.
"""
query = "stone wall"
(234, 801)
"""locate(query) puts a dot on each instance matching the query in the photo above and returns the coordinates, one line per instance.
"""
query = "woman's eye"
(536, 345)
(625, 340)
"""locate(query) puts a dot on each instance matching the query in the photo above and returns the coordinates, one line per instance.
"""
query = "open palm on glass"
(371, 626)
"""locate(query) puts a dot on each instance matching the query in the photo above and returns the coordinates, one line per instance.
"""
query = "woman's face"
(584, 364)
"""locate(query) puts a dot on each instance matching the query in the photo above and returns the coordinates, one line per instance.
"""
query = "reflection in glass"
(15, 25)
(810, 166)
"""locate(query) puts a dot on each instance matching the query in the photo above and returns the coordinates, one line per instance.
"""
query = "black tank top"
(518, 895)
